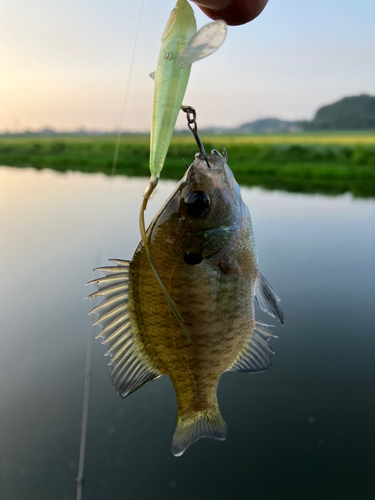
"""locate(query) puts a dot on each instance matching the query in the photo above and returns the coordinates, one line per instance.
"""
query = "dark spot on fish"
(225, 269)
(192, 258)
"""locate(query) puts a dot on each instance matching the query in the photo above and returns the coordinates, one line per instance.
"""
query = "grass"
(331, 163)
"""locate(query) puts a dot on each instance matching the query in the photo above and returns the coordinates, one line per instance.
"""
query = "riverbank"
(331, 163)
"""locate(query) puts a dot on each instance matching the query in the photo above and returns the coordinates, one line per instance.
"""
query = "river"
(302, 430)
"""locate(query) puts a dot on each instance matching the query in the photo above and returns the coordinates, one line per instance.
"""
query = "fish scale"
(208, 310)
(176, 356)
(214, 298)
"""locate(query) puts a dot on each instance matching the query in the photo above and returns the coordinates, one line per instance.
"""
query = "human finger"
(233, 12)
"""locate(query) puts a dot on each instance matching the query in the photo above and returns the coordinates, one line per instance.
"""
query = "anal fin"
(131, 367)
(256, 356)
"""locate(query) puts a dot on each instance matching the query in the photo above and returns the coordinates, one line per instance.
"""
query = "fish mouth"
(204, 158)
(213, 162)
(207, 172)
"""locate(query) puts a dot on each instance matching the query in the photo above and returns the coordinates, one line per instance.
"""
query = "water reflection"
(304, 428)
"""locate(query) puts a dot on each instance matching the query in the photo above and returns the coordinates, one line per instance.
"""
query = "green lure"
(181, 45)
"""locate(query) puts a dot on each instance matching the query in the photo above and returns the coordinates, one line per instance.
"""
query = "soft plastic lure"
(181, 46)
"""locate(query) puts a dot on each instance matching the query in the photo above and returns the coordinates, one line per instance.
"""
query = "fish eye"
(198, 204)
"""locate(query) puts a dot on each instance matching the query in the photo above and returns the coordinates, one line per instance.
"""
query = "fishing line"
(90, 340)
(85, 413)
(125, 103)
(148, 193)
(86, 400)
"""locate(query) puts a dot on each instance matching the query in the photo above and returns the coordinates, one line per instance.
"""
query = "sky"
(65, 63)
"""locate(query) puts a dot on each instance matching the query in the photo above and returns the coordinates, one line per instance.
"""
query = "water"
(304, 429)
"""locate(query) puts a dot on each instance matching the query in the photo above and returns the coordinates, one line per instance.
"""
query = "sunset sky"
(65, 63)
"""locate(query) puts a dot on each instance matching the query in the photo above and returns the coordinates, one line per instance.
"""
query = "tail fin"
(208, 423)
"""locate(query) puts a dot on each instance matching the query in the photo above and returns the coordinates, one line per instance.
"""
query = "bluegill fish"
(203, 245)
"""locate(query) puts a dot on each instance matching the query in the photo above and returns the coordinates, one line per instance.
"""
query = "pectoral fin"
(203, 43)
(131, 367)
(256, 356)
(152, 75)
(267, 298)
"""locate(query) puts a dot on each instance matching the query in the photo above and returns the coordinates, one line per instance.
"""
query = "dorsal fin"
(255, 357)
(267, 298)
(203, 43)
(131, 367)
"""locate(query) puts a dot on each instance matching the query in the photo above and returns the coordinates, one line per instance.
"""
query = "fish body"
(203, 245)
(170, 82)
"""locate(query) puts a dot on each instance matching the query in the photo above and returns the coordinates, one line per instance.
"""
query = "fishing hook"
(191, 116)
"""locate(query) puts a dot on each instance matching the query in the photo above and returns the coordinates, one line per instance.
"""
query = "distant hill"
(350, 113)
(268, 126)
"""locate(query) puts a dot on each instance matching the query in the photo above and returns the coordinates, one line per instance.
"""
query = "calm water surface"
(302, 430)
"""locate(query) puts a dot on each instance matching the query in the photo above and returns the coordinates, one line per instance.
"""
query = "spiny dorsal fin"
(203, 43)
(255, 357)
(267, 298)
(131, 367)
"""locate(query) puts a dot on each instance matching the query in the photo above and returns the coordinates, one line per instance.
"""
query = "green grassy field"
(330, 163)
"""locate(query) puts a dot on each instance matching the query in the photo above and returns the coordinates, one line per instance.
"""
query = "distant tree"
(350, 113)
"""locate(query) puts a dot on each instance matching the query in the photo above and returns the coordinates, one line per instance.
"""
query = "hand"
(233, 12)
